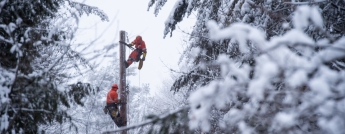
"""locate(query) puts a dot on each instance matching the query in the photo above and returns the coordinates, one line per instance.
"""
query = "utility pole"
(123, 92)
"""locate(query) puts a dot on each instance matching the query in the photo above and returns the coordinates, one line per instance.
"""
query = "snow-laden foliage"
(36, 58)
(181, 8)
(264, 66)
(289, 92)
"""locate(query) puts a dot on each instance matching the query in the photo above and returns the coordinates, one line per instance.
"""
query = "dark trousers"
(112, 107)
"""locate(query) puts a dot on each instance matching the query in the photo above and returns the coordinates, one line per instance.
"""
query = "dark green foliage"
(37, 104)
(195, 78)
(79, 91)
(201, 76)
(332, 14)
(30, 11)
(33, 103)
(178, 15)
(178, 12)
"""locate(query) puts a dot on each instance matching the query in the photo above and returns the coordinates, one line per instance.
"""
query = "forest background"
(248, 66)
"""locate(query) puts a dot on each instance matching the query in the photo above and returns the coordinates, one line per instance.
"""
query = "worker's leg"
(132, 57)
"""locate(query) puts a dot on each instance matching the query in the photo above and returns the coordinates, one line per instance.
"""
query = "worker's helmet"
(114, 86)
(138, 38)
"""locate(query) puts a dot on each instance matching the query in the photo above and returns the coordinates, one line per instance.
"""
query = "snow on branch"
(240, 32)
(2, 3)
(305, 3)
(83, 8)
(33, 110)
(162, 117)
(292, 70)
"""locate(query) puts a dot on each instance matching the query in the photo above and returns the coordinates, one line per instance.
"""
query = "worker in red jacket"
(112, 96)
(112, 106)
(112, 101)
(140, 49)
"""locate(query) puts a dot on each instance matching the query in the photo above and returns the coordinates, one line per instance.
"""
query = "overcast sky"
(132, 16)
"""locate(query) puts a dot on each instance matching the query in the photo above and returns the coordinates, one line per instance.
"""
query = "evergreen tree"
(276, 19)
(35, 57)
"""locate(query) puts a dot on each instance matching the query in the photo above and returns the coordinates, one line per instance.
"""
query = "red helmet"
(115, 86)
(138, 38)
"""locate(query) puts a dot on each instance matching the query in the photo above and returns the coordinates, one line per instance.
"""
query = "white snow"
(285, 120)
(4, 122)
(321, 89)
(327, 109)
(315, 17)
(334, 125)
(195, 52)
(301, 16)
(244, 128)
(298, 78)
(304, 14)
(238, 31)
(245, 8)
(335, 51)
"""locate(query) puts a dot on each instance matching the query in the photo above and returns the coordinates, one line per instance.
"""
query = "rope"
(139, 79)
(127, 101)
(127, 40)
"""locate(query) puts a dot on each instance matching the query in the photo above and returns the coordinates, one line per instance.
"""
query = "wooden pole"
(123, 93)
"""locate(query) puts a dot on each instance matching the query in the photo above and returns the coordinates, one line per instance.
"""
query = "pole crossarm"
(131, 47)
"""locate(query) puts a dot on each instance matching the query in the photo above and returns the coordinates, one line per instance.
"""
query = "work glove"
(114, 113)
(144, 55)
(132, 43)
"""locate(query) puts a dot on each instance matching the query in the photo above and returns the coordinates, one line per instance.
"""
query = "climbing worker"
(111, 105)
(140, 49)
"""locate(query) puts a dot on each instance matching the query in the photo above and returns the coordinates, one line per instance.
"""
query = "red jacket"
(139, 43)
(112, 96)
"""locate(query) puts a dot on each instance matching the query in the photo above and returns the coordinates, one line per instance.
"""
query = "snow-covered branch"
(305, 3)
(33, 110)
(150, 121)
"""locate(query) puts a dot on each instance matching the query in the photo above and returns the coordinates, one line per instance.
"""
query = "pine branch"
(337, 6)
